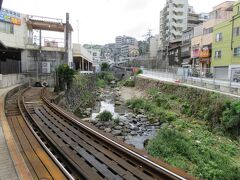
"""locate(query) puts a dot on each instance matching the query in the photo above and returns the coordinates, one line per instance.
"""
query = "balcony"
(185, 54)
(186, 42)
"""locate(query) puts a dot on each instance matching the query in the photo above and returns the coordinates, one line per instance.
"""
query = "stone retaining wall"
(146, 83)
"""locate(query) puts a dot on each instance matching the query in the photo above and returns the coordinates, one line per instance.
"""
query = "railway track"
(77, 150)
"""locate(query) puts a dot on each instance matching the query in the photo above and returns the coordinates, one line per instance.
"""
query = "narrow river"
(133, 129)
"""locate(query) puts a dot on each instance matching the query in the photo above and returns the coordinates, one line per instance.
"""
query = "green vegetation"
(218, 111)
(231, 118)
(156, 109)
(65, 76)
(194, 131)
(116, 120)
(139, 71)
(81, 94)
(105, 116)
(104, 79)
(105, 67)
(192, 147)
(101, 83)
(129, 83)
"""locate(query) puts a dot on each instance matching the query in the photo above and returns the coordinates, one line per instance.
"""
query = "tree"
(65, 76)
(105, 67)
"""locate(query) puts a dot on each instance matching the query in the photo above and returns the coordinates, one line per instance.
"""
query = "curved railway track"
(77, 150)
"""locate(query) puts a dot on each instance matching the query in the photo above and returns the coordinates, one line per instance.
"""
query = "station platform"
(12, 165)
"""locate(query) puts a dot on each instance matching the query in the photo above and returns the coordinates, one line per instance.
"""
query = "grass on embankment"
(194, 135)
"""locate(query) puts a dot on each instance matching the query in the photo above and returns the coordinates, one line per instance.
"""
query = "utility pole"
(67, 38)
(147, 36)
(78, 30)
(40, 53)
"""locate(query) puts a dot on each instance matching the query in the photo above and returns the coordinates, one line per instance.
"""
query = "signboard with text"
(204, 53)
(10, 16)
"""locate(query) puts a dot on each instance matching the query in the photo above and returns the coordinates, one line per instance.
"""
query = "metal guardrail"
(212, 81)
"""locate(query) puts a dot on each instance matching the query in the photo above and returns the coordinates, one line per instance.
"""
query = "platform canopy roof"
(45, 23)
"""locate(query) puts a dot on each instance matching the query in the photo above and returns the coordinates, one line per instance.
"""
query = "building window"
(236, 31)
(6, 28)
(208, 30)
(218, 54)
(236, 51)
(219, 37)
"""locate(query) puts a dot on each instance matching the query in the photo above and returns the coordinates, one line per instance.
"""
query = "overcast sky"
(101, 20)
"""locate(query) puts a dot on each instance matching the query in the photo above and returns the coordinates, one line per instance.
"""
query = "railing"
(219, 79)
(47, 42)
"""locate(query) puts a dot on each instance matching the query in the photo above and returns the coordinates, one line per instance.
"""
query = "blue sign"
(10, 16)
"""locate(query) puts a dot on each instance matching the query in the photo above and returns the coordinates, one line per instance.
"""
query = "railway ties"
(57, 146)
(106, 163)
(37, 160)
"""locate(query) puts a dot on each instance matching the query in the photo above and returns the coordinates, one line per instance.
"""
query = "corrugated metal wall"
(10, 66)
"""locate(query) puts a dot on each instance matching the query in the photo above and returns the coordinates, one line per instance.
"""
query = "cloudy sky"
(101, 20)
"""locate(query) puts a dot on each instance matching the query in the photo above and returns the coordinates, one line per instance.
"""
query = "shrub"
(186, 109)
(106, 76)
(65, 76)
(161, 101)
(231, 118)
(139, 71)
(105, 67)
(136, 103)
(129, 83)
(105, 116)
(101, 83)
(116, 120)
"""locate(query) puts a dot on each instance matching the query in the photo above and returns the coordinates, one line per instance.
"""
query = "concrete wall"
(11, 79)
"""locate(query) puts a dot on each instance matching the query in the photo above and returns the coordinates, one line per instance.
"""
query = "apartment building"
(129, 51)
(186, 47)
(196, 44)
(226, 47)
(125, 40)
(175, 18)
(126, 47)
(202, 42)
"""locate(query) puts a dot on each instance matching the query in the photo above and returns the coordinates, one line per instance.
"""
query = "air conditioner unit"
(46, 67)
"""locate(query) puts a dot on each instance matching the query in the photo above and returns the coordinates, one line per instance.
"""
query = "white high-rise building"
(173, 21)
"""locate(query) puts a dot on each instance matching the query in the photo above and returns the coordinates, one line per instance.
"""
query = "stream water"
(133, 129)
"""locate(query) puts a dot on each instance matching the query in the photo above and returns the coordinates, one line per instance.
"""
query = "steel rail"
(59, 164)
(130, 152)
